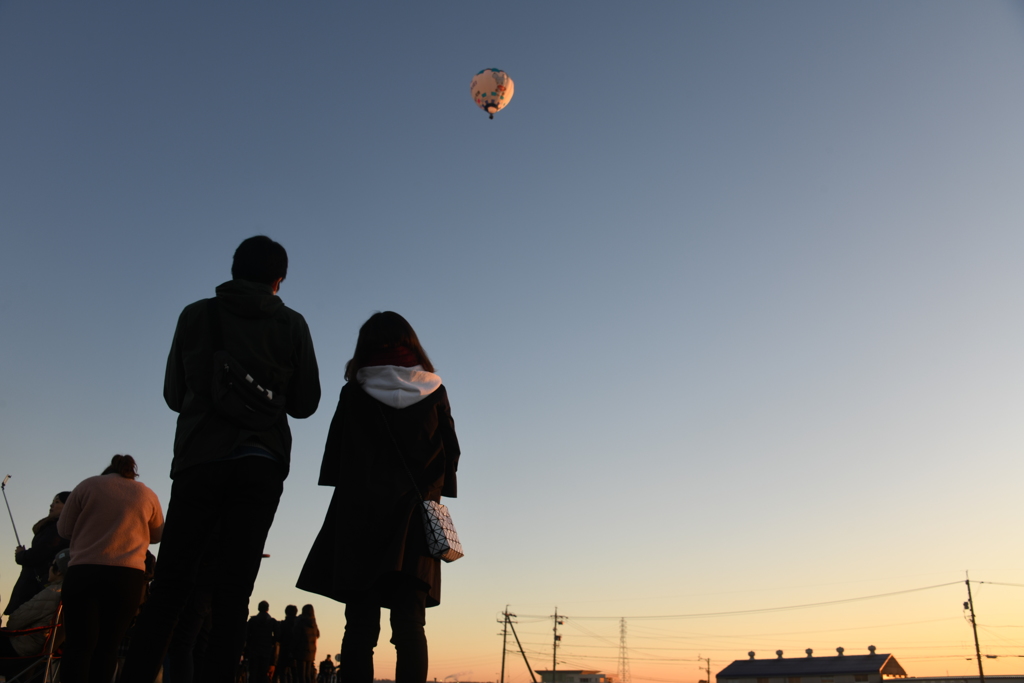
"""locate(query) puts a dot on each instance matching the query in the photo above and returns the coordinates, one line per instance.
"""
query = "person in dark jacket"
(227, 473)
(286, 639)
(35, 561)
(326, 670)
(261, 646)
(391, 441)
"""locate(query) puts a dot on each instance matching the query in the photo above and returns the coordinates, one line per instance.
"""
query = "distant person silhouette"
(228, 470)
(261, 646)
(286, 638)
(306, 635)
(326, 670)
(372, 550)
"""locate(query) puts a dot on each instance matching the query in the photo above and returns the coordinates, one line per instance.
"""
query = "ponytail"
(123, 465)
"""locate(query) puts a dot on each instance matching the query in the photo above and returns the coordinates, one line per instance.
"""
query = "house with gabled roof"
(843, 668)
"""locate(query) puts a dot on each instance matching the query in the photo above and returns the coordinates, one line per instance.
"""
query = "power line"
(688, 643)
(701, 615)
(998, 583)
(671, 636)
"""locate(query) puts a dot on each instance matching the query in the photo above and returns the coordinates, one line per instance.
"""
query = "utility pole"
(511, 625)
(504, 643)
(707, 661)
(974, 625)
(554, 649)
(623, 653)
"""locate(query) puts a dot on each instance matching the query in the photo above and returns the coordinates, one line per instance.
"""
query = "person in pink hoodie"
(111, 520)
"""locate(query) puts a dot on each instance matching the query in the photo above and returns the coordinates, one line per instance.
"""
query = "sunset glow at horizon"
(727, 303)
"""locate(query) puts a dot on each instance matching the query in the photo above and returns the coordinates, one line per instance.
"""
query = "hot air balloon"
(492, 89)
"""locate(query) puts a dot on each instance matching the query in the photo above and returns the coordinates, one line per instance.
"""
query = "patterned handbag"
(442, 539)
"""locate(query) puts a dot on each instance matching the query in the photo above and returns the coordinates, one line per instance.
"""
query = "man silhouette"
(261, 646)
(227, 478)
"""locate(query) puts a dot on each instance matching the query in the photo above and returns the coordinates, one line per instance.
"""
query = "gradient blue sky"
(727, 300)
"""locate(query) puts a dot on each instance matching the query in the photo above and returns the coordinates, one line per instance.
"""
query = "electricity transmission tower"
(623, 653)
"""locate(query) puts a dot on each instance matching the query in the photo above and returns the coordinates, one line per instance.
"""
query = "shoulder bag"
(237, 396)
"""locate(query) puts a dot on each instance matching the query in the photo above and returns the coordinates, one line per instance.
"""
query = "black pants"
(99, 604)
(259, 669)
(285, 671)
(188, 644)
(225, 508)
(362, 629)
(306, 672)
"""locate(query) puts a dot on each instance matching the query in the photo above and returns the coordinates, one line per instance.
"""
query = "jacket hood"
(396, 386)
(248, 299)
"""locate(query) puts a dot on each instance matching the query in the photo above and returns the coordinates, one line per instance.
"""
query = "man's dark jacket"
(261, 635)
(269, 340)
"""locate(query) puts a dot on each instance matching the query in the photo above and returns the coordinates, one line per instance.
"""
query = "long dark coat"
(374, 526)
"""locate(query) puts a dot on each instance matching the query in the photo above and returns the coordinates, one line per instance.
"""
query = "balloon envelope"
(491, 89)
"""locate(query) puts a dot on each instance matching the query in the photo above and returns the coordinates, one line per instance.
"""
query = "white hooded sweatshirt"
(396, 386)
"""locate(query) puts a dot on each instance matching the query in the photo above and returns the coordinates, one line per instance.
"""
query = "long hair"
(123, 465)
(62, 497)
(385, 331)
